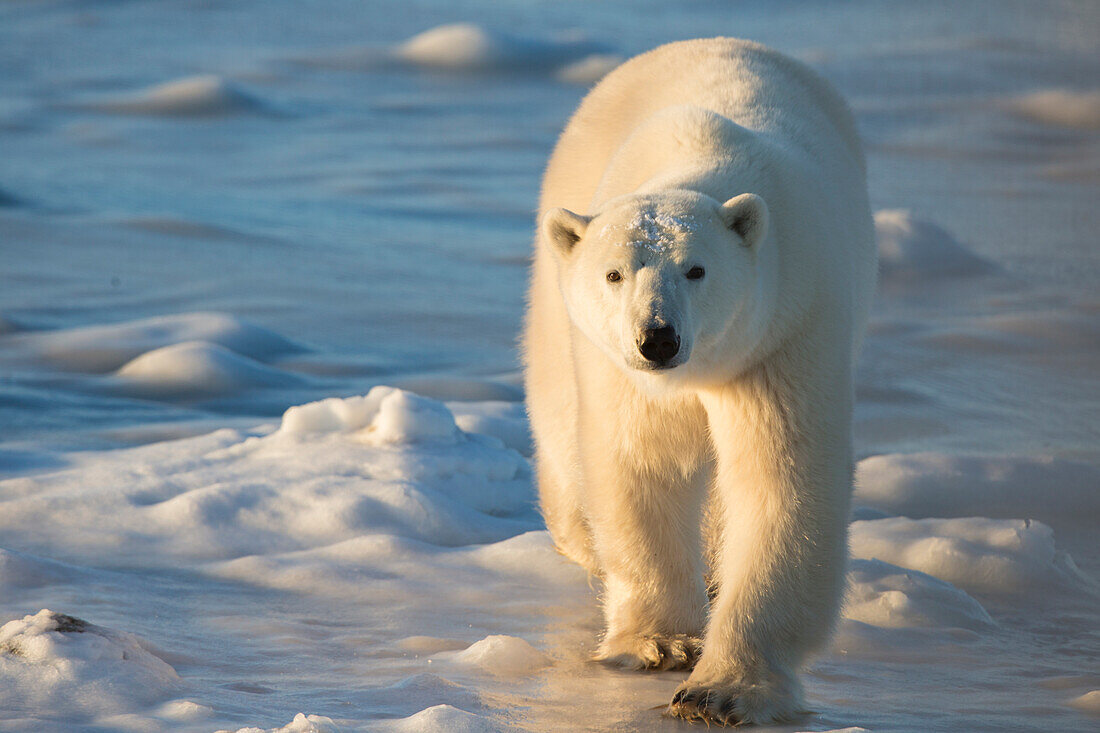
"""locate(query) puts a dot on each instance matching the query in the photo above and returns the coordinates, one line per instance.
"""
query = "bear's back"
(750, 84)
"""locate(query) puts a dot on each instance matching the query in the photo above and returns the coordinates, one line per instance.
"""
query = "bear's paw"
(735, 704)
(662, 652)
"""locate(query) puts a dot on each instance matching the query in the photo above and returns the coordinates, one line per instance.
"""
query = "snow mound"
(1060, 107)
(101, 349)
(913, 250)
(1089, 702)
(590, 69)
(446, 719)
(470, 47)
(389, 465)
(333, 415)
(302, 723)
(419, 690)
(384, 416)
(940, 485)
(974, 553)
(183, 710)
(404, 417)
(50, 661)
(201, 367)
(507, 656)
(885, 595)
(194, 96)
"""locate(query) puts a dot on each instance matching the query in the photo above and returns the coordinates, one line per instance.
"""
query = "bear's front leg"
(782, 488)
(645, 471)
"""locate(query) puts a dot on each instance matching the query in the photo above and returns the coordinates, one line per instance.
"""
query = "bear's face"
(657, 282)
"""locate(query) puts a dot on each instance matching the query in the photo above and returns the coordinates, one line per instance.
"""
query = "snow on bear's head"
(663, 284)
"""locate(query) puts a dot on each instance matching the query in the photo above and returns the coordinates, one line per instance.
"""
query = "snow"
(653, 230)
(195, 96)
(198, 367)
(503, 655)
(929, 484)
(447, 718)
(383, 496)
(105, 348)
(590, 69)
(407, 418)
(913, 250)
(886, 595)
(1060, 107)
(1089, 702)
(974, 553)
(76, 670)
(471, 47)
(302, 723)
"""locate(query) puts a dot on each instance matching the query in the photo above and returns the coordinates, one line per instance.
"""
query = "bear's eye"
(696, 273)
(614, 276)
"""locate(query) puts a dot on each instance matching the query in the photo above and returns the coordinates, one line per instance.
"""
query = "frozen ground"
(263, 456)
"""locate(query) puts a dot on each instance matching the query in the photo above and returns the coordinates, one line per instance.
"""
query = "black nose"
(659, 345)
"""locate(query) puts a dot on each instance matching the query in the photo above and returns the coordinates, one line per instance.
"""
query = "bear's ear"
(747, 215)
(564, 229)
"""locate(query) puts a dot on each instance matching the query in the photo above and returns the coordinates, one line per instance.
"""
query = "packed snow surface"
(264, 459)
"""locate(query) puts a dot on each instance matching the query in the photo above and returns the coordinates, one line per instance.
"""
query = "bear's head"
(667, 285)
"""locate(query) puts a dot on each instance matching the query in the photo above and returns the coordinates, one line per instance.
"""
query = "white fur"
(650, 179)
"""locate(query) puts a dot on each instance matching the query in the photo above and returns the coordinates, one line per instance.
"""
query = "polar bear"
(703, 270)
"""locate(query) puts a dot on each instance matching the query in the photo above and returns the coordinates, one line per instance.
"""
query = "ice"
(75, 670)
(1060, 107)
(470, 47)
(913, 250)
(503, 655)
(194, 96)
